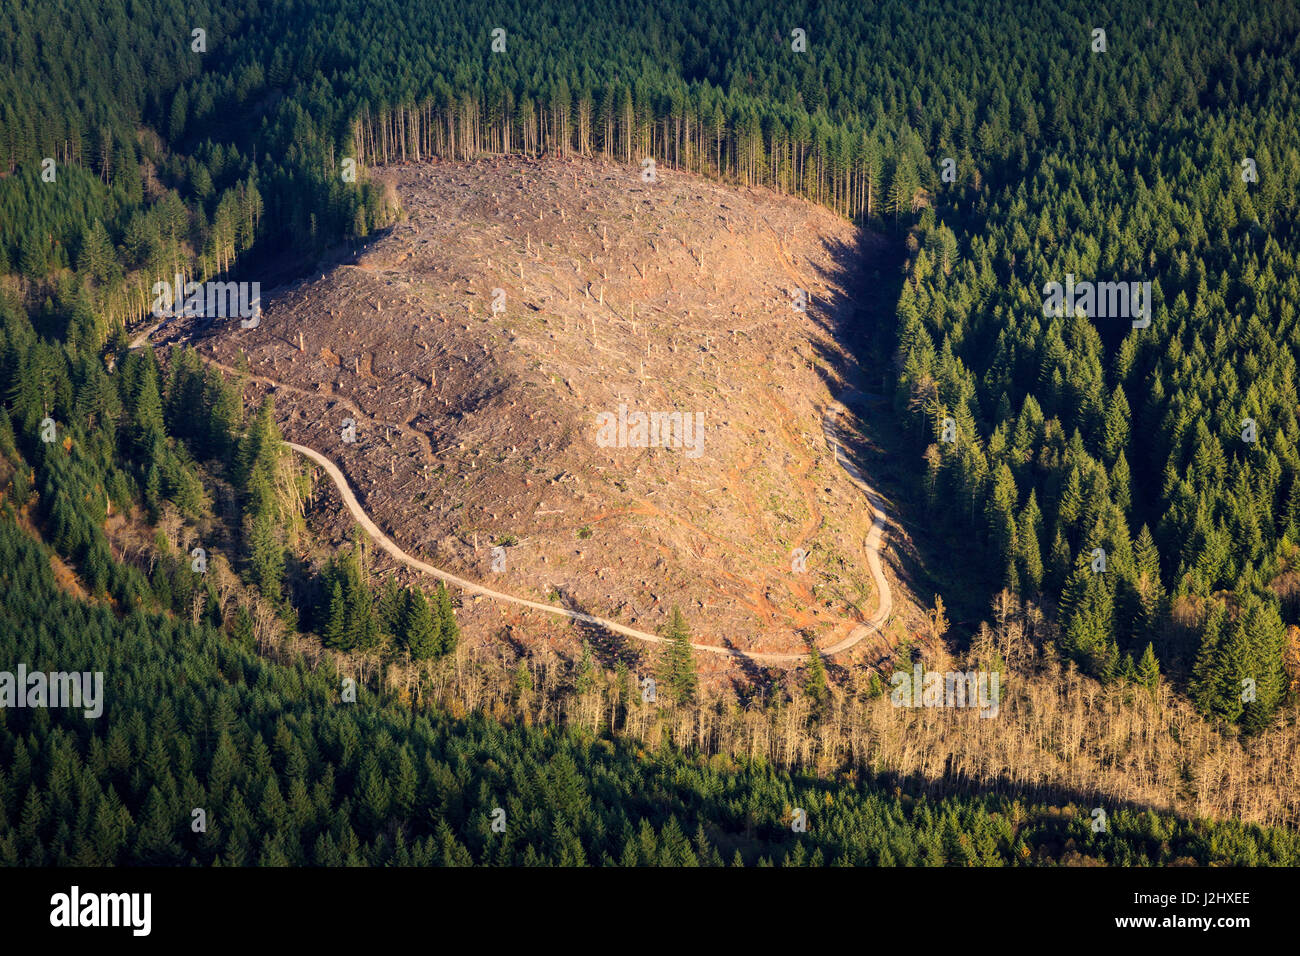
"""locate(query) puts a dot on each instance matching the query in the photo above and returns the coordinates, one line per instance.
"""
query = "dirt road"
(871, 546)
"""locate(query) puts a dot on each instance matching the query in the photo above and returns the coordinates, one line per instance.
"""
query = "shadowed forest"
(1114, 509)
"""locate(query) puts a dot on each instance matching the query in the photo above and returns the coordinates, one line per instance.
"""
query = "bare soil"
(477, 428)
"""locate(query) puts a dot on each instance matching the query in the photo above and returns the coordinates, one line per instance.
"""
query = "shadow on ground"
(861, 317)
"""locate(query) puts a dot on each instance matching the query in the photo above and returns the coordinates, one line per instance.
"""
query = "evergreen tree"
(815, 687)
(96, 257)
(677, 662)
(266, 557)
(335, 632)
(420, 630)
(1148, 669)
(448, 629)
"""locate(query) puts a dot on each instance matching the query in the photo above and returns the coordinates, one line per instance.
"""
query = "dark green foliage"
(1072, 433)
(1106, 436)
(677, 662)
(1238, 674)
(348, 617)
(289, 775)
(815, 687)
(421, 633)
(448, 629)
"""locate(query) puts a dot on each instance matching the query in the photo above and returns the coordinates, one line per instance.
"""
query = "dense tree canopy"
(1140, 483)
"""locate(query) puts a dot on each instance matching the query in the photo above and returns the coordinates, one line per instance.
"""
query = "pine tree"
(902, 189)
(391, 608)
(815, 687)
(258, 463)
(585, 679)
(266, 557)
(1116, 430)
(448, 629)
(33, 256)
(1256, 650)
(1121, 480)
(242, 628)
(420, 630)
(1030, 555)
(1148, 669)
(1070, 504)
(1088, 607)
(334, 633)
(96, 257)
(677, 663)
(363, 625)
(1000, 513)
(1212, 688)
(147, 430)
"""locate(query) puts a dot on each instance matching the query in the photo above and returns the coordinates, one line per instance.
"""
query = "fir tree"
(448, 629)
(815, 687)
(335, 631)
(420, 631)
(1148, 669)
(677, 663)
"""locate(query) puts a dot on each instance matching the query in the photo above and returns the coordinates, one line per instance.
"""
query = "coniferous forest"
(992, 145)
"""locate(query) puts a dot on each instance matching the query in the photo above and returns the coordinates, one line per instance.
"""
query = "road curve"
(872, 547)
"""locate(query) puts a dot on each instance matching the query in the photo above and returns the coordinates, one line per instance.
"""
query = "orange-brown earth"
(477, 427)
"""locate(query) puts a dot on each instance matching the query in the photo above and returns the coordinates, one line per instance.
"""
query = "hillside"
(477, 428)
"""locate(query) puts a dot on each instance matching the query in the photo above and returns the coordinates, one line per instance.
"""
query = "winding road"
(872, 546)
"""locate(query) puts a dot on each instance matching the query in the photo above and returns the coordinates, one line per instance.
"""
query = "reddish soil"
(477, 427)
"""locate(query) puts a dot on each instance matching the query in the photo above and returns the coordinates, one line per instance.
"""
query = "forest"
(132, 149)
(288, 773)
